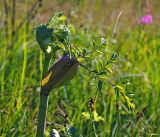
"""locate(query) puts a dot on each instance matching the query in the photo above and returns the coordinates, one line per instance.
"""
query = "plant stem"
(46, 64)
(43, 103)
(42, 115)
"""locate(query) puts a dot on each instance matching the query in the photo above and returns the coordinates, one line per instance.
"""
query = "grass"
(137, 72)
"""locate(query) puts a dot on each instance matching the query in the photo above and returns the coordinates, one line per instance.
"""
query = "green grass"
(137, 71)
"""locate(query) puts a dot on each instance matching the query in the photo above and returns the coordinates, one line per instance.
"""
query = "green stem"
(46, 64)
(42, 115)
(43, 104)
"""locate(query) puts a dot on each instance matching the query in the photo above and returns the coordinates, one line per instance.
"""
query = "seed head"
(91, 104)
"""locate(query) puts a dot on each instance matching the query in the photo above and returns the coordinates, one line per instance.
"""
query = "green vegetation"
(116, 91)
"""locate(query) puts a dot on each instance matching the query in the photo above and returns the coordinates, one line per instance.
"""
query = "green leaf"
(109, 70)
(97, 118)
(44, 36)
(120, 88)
(60, 45)
(96, 53)
(62, 18)
(86, 115)
(103, 78)
(100, 63)
(129, 102)
(72, 28)
(103, 72)
(80, 59)
(131, 105)
(114, 56)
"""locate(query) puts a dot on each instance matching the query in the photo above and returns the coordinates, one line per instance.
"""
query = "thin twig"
(29, 16)
(13, 19)
(115, 26)
(6, 18)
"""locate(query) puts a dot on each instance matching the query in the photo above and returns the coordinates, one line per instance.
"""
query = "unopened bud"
(59, 74)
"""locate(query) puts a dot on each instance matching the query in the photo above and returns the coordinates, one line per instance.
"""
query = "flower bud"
(59, 74)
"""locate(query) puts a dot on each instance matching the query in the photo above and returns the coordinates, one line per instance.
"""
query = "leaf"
(114, 56)
(103, 78)
(97, 118)
(100, 63)
(103, 72)
(56, 20)
(72, 28)
(96, 52)
(120, 88)
(86, 115)
(62, 18)
(131, 105)
(80, 59)
(109, 70)
(60, 45)
(43, 36)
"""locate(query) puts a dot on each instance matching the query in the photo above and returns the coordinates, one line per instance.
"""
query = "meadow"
(116, 91)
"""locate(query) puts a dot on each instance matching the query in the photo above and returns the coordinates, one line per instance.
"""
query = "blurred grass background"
(138, 49)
